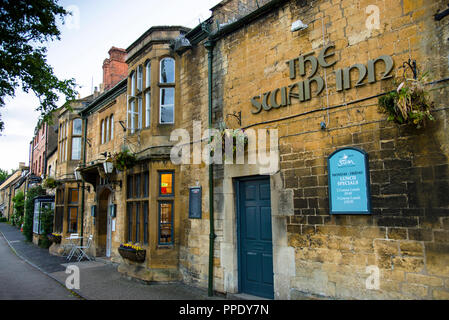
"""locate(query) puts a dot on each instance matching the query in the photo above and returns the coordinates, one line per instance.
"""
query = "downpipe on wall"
(210, 55)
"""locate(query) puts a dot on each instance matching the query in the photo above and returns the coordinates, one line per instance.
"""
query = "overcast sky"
(86, 38)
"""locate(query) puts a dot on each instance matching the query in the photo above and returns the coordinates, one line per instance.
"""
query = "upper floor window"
(139, 78)
(76, 139)
(148, 74)
(77, 127)
(167, 70)
(107, 129)
(167, 91)
(133, 84)
(111, 125)
(63, 141)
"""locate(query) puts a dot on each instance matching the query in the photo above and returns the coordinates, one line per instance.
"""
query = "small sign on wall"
(349, 182)
(195, 200)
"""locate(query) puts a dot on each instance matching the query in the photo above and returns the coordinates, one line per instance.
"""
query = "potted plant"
(132, 252)
(123, 160)
(409, 103)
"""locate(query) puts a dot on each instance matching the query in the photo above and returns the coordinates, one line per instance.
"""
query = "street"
(20, 281)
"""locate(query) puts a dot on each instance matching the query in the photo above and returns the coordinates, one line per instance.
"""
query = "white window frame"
(148, 109)
(139, 113)
(131, 116)
(111, 118)
(133, 83)
(174, 70)
(107, 130)
(102, 131)
(73, 149)
(148, 74)
(166, 105)
(139, 78)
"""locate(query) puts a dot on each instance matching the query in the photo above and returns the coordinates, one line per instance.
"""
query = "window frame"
(137, 203)
(171, 223)
(165, 86)
(160, 173)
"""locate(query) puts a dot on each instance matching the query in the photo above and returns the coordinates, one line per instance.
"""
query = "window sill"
(165, 246)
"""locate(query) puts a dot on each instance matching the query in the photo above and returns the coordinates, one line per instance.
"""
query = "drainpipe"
(210, 54)
(83, 185)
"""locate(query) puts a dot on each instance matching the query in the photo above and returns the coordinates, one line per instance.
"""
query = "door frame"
(237, 181)
(109, 227)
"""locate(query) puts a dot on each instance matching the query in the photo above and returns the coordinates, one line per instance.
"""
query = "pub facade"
(333, 198)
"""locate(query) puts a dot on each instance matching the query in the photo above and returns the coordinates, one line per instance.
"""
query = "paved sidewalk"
(98, 280)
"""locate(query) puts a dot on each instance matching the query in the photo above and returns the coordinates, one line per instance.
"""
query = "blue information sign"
(349, 184)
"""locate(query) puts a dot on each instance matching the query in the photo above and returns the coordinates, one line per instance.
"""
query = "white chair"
(81, 250)
(71, 245)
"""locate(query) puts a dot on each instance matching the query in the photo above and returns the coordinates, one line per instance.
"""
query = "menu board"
(349, 184)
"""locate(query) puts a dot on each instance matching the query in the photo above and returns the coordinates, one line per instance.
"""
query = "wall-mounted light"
(298, 25)
(123, 125)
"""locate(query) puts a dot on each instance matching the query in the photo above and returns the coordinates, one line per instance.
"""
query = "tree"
(3, 175)
(25, 25)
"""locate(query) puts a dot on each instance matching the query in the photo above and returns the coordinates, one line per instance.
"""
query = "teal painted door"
(255, 239)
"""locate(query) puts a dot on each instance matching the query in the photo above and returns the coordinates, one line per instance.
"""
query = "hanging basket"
(132, 254)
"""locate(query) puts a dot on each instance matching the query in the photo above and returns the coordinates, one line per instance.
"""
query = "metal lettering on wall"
(349, 182)
(302, 90)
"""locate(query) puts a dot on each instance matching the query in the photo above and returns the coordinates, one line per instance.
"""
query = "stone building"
(313, 71)
(307, 75)
(80, 142)
(69, 200)
(9, 188)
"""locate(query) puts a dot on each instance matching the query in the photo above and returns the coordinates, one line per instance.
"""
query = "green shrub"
(19, 208)
(29, 211)
(47, 226)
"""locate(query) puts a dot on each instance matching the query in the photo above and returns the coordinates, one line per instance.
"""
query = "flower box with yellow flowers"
(55, 238)
(132, 252)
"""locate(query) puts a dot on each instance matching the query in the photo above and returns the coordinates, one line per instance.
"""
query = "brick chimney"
(114, 68)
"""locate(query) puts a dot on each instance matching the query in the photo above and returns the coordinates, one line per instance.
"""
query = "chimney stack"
(115, 68)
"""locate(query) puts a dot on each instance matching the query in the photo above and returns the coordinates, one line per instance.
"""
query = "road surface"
(21, 281)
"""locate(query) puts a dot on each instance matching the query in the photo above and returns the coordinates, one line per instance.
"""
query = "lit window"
(165, 222)
(166, 183)
(73, 219)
